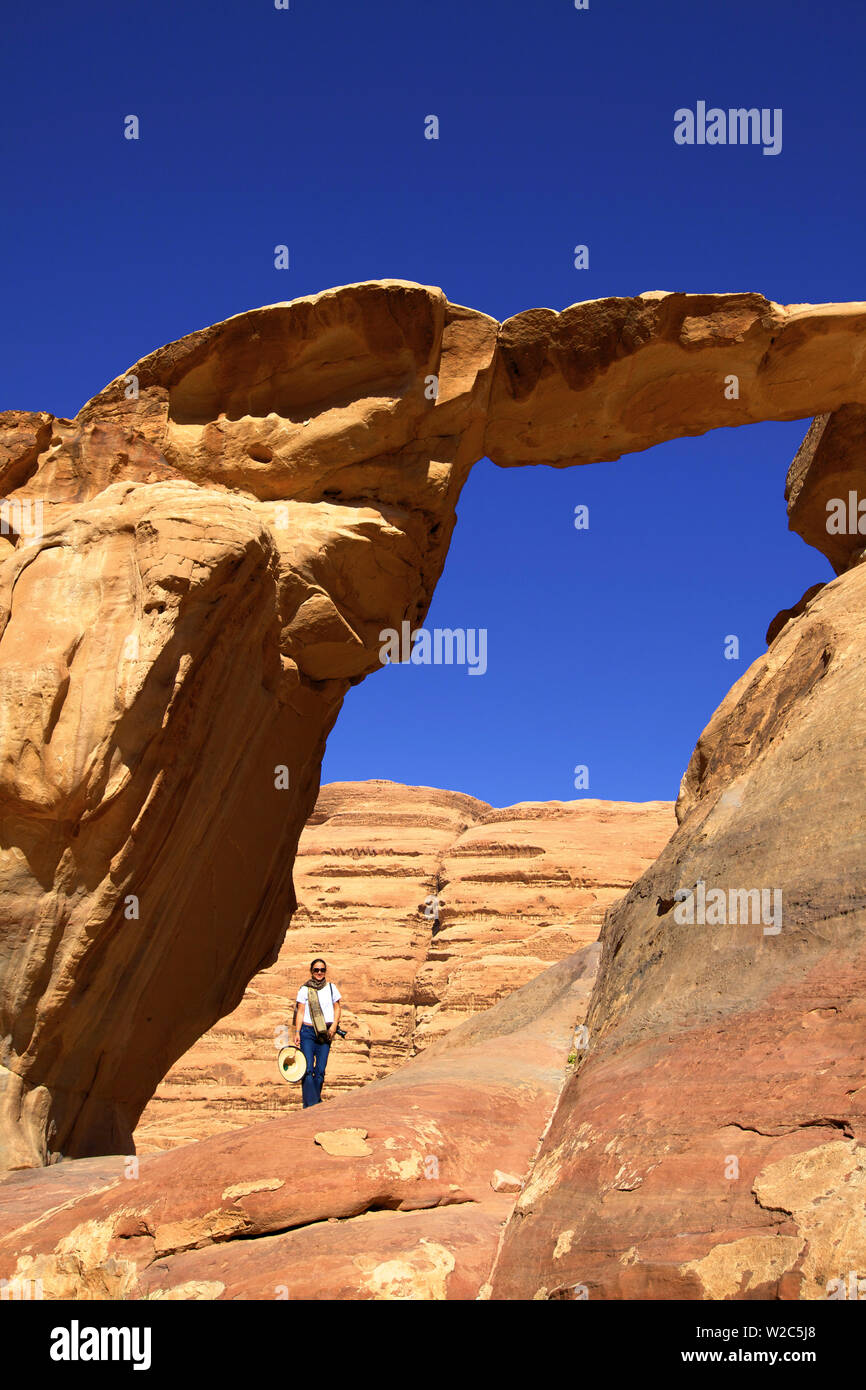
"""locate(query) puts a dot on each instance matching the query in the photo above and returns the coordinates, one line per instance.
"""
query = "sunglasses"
(318, 970)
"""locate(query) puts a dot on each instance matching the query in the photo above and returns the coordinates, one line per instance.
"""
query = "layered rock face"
(713, 1141)
(613, 376)
(175, 647)
(519, 888)
(398, 1191)
(228, 528)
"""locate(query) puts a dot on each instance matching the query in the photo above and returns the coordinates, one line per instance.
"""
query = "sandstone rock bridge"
(226, 529)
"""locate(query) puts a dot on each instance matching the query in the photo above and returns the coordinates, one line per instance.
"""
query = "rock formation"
(612, 376)
(227, 529)
(713, 1141)
(827, 469)
(398, 1191)
(520, 888)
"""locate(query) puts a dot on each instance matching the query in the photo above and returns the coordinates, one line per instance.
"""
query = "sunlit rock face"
(399, 1190)
(826, 487)
(225, 531)
(712, 1143)
(517, 888)
(222, 535)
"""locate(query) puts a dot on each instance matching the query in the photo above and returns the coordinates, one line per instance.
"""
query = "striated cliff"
(519, 888)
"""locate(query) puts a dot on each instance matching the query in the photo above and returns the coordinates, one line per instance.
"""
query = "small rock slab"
(344, 1143)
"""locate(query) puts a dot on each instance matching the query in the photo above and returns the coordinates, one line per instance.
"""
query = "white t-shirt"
(324, 999)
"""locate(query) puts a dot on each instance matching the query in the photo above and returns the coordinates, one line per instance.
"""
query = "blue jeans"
(316, 1055)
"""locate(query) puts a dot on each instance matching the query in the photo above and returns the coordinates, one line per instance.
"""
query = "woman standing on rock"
(321, 1005)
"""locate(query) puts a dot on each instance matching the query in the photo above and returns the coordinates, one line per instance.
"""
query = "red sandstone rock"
(229, 526)
(712, 1143)
(520, 888)
(269, 1212)
(173, 654)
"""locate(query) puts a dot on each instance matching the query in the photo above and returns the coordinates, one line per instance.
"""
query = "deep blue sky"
(261, 127)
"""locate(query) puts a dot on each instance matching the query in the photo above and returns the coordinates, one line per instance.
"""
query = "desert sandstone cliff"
(713, 1141)
(228, 527)
(519, 888)
(399, 1190)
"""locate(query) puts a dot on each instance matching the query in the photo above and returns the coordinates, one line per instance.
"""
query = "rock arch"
(227, 528)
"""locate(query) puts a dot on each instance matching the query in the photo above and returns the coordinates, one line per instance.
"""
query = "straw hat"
(292, 1063)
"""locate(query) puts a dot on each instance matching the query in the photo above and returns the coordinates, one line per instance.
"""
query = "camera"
(341, 1033)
